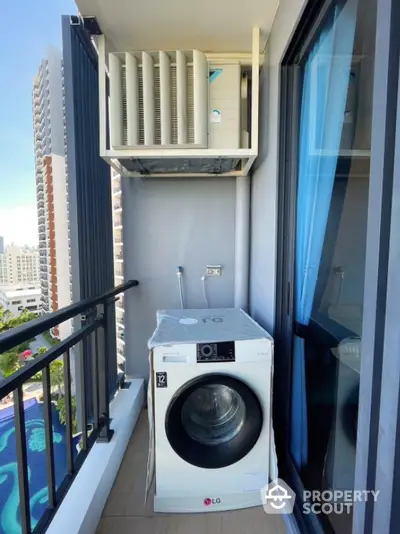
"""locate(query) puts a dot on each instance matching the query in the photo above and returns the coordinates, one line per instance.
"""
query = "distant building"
(18, 265)
(1, 245)
(118, 265)
(20, 297)
(52, 187)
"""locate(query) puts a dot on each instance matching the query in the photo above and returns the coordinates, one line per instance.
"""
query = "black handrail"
(30, 369)
(94, 335)
(19, 334)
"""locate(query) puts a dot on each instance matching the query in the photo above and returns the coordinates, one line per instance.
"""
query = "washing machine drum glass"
(213, 414)
(214, 421)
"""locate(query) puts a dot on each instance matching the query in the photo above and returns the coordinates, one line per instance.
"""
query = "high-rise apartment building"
(1, 244)
(52, 186)
(118, 264)
(19, 265)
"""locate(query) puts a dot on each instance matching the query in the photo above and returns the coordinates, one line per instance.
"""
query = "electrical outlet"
(214, 270)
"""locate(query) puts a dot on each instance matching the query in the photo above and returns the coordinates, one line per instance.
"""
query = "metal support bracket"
(92, 26)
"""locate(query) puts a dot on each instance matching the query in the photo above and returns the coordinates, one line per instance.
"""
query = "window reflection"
(325, 400)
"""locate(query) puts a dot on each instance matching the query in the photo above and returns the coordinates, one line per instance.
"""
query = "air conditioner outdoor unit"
(158, 99)
(173, 99)
(178, 112)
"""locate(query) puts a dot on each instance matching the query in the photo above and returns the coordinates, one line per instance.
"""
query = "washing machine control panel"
(216, 352)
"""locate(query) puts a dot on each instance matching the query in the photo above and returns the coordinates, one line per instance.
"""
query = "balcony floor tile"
(126, 511)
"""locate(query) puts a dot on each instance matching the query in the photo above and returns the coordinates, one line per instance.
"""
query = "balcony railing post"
(22, 462)
(48, 427)
(103, 378)
(97, 320)
(68, 412)
(95, 379)
(86, 380)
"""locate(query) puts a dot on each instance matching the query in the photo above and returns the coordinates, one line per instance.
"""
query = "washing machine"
(340, 459)
(211, 374)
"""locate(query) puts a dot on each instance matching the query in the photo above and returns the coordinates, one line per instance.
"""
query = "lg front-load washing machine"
(211, 376)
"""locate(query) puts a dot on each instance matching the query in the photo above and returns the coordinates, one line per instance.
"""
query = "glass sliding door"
(330, 226)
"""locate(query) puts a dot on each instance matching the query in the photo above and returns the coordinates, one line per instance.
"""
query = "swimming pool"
(35, 440)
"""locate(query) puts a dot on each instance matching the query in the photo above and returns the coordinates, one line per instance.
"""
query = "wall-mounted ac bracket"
(182, 160)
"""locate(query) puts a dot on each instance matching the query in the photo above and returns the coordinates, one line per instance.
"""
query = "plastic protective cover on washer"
(204, 326)
(201, 326)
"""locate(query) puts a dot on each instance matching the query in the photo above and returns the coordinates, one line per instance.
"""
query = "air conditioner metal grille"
(158, 99)
(157, 105)
(190, 104)
(140, 110)
(174, 109)
(124, 110)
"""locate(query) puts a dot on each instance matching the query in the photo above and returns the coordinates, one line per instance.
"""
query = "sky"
(27, 29)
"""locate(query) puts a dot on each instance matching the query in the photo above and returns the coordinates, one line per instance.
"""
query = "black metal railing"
(92, 389)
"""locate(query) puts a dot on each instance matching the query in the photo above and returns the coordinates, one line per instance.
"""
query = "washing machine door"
(213, 421)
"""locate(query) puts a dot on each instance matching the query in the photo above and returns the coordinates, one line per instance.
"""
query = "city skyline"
(52, 186)
(20, 62)
(19, 265)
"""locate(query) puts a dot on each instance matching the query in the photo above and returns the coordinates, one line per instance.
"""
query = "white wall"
(191, 223)
(56, 101)
(169, 222)
(265, 175)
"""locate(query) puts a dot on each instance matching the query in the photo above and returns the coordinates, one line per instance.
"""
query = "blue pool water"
(35, 439)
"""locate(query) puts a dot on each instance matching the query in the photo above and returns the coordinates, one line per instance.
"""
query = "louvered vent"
(157, 105)
(140, 108)
(190, 105)
(174, 112)
(158, 99)
(124, 117)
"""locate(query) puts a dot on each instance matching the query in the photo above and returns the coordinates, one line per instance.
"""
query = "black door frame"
(378, 451)
(380, 338)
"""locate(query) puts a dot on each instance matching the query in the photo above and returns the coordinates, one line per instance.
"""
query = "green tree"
(38, 376)
(7, 321)
(61, 413)
(56, 372)
(4, 314)
(57, 375)
(9, 363)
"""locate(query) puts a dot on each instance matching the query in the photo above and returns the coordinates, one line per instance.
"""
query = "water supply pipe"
(242, 242)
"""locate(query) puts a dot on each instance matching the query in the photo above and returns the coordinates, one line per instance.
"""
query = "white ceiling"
(206, 25)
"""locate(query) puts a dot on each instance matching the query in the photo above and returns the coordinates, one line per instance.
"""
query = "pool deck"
(31, 390)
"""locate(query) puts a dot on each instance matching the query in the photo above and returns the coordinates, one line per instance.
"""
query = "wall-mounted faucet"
(179, 273)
